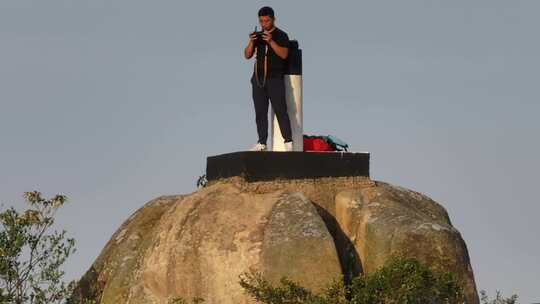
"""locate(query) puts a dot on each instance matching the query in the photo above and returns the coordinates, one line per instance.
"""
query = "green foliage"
(499, 299)
(182, 301)
(400, 280)
(31, 255)
(405, 280)
(262, 291)
(80, 301)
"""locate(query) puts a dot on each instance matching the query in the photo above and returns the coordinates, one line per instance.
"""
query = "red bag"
(316, 144)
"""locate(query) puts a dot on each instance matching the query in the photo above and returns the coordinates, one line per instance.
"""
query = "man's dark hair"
(266, 11)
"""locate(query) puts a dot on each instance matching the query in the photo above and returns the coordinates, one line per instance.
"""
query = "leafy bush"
(182, 301)
(405, 280)
(289, 292)
(31, 255)
(499, 299)
(400, 280)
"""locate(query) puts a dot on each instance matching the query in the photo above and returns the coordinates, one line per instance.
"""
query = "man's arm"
(281, 51)
(250, 48)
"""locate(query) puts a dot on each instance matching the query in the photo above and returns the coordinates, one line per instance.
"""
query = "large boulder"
(311, 230)
(390, 220)
(198, 245)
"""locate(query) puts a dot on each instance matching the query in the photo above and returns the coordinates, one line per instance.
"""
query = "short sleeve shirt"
(276, 65)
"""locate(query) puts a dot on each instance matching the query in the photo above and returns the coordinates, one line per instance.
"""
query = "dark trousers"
(274, 89)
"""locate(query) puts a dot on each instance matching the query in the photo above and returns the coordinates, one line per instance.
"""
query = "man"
(267, 80)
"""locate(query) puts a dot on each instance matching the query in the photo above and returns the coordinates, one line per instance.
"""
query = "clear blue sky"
(116, 102)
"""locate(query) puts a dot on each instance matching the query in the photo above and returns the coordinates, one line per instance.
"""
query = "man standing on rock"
(271, 49)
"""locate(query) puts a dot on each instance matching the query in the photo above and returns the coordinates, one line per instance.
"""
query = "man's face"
(266, 22)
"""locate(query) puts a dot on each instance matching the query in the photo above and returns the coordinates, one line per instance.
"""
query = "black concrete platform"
(260, 166)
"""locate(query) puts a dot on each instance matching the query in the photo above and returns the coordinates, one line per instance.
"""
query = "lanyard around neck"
(265, 66)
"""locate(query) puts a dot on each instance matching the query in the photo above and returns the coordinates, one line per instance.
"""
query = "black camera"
(258, 36)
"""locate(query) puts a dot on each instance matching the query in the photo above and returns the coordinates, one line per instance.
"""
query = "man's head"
(266, 18)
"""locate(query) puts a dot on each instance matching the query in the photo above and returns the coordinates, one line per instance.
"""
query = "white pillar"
(293, 94)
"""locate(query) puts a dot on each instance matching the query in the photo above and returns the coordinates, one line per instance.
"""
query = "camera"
(258, 36)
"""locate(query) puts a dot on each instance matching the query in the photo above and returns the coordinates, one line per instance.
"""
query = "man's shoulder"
(281, 32)
(281, 37)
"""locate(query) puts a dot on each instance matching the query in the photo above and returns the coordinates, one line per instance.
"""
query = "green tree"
(182, 301)
(288, 291)
(499, 299)
(405, 280)
(400, 280)
(32, 253)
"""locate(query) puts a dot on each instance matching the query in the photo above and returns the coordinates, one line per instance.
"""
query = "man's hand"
(252, 37)
(267, 36)
(282, 52)
(250, 48)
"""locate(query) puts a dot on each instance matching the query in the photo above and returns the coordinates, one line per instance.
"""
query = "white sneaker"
(288, 146)
(258, 147)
